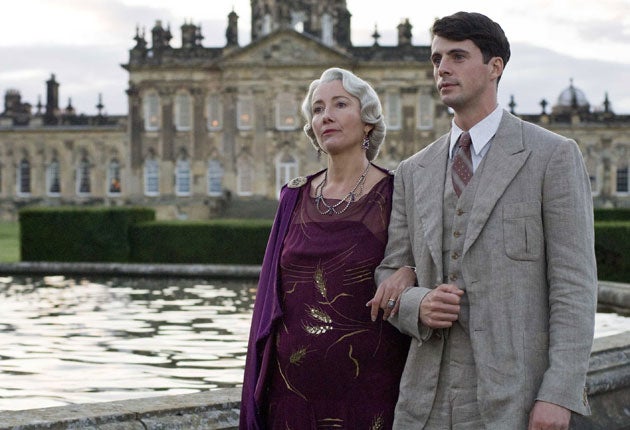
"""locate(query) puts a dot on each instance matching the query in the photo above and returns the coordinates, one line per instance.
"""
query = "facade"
(216, 131)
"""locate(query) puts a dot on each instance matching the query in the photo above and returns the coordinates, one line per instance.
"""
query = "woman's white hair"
(371, 110)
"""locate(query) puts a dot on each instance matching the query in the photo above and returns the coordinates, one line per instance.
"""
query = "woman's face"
(337, 119)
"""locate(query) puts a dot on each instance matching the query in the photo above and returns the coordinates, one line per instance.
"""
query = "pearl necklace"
(351, 197)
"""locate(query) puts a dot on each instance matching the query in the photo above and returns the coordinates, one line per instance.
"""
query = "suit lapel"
(503, 161)
(428, 182)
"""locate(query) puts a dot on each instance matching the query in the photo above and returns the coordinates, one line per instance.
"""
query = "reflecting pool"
(84, 340)
(70, 341)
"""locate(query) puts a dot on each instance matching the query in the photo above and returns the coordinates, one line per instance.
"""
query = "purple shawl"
(266, 312)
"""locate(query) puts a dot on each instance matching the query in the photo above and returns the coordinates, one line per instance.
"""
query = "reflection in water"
(81, 341)
(71, 341)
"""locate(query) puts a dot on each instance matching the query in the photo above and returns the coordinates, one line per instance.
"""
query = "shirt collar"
(480, 133)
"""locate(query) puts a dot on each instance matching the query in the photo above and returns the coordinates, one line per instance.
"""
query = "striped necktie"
(462, 169)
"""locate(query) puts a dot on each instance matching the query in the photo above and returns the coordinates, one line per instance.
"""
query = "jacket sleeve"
(571, 277)
(399, 253)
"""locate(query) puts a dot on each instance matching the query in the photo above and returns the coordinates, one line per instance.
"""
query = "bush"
(200, 242)
(71, 234)
(617, 214)
(612, 250)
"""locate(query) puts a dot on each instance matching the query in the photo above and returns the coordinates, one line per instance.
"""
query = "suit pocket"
(522, 230)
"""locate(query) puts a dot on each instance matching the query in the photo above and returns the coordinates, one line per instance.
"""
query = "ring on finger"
(391, 303)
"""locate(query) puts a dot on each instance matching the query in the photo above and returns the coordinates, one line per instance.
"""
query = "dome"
(573, 97)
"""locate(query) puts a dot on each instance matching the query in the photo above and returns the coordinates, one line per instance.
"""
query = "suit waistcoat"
(456, 212)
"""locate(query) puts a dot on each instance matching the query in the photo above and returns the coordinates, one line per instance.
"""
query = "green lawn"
(9, 242)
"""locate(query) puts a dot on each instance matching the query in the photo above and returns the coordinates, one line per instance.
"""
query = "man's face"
(461, 76)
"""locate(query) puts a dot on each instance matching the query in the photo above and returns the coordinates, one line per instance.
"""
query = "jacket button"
(457, 233)
(455, 255)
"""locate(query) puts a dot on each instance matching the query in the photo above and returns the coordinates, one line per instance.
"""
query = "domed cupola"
(572, 100)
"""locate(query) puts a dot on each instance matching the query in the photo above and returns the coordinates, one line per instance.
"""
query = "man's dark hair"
(486, 34)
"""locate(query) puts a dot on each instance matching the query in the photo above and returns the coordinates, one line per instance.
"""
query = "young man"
(501, 235)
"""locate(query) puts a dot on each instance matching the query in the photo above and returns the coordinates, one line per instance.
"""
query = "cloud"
(535, 73)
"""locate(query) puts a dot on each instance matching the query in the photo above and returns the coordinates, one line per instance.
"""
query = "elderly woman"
(317, 358)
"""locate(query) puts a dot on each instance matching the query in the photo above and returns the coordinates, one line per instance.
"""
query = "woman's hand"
(388, 294)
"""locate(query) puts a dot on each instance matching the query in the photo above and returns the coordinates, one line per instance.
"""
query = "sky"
(84, 42)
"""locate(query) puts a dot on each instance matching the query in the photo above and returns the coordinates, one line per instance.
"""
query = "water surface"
(80, 340)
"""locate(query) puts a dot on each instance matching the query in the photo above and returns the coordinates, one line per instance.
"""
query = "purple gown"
(330, 365)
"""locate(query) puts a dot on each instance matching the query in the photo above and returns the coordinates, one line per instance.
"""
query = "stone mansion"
(216, 131)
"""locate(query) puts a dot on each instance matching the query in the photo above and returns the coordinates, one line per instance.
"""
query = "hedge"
(612, 250)
(133, 235)
(613, 214)
(240, 241)
(69, 234)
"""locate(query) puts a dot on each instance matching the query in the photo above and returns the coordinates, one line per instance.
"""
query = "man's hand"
(391, 289)
(440, 307)
(548, 416)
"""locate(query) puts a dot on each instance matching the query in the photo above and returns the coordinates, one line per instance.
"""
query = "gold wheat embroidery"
(297, 356)
(319, 315)
(355, 361)
(320, 282)
(335, 423)
(316, 330)
(378, 422)
(288, 384)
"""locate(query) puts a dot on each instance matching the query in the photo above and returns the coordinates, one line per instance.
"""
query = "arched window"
(24, 178)
(183, 177)
(151, 109)
(286, 112)
(245, 176)
(266, 24)
(426, 112)
(215, 178)
(53, 183)
(286, 169)
(623, 185)
(214, 112)
(84, 186)
(394, 110)
(183, 112)
(327, 30)
(114, 184)
(151, 177)
(245, 113)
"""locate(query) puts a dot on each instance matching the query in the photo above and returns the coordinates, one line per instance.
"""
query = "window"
(286, 112)
(214, 112)
(245, 113)
(53, 184)
(83, 177)
(623, 186)
(394, 112)
(183, 112)
(151, 112)
(245, 177)
(327, 30)
(215, 178)
(266, 24)
(114, 186)
(151, 177)
(24, 178)
(426, 111)
(182, 177)
(593, 169)
(286, 169)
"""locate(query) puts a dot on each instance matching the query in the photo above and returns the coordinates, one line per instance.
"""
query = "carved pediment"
(286, 47)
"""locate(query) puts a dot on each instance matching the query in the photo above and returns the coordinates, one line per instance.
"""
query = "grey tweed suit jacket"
(528, 266)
